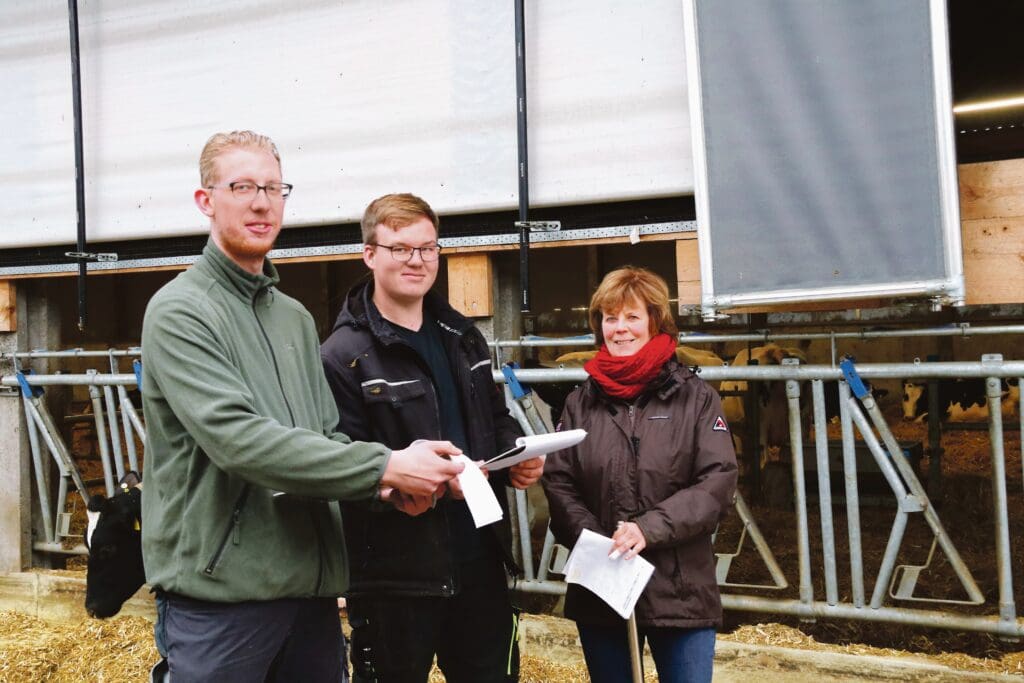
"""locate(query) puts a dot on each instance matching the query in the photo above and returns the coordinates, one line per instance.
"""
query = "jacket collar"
(230, 275)
(358, 310)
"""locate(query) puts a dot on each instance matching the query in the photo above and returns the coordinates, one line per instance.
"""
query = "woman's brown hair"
(626, 284)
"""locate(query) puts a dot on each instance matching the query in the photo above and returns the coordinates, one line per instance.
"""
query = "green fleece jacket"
(238, 413)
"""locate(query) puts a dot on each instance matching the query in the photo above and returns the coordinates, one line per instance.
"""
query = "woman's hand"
(627, 541)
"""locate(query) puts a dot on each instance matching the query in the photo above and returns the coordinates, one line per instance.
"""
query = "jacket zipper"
(291, 415)
(634, 442)
(232, 533)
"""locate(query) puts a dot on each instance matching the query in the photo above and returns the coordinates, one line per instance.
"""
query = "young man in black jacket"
(404, 365)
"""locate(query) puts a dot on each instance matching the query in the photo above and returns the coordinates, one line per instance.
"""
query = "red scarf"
(626, 376)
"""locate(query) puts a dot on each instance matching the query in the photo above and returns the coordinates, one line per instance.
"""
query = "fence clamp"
(540, 226)
(88, 256)
(517, 389)
(27, 390)
(853, 379)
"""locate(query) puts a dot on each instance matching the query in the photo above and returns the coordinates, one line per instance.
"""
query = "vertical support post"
(524, 163)
(852, 495)
(800, 489)
(76, 104)
(101, 435)
(934, 439)
(828, 541)
(42, 481)
(994, 394)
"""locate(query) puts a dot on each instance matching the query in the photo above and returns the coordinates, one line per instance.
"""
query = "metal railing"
(893, 585)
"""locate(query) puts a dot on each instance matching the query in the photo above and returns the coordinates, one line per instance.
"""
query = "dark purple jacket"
(666, 462)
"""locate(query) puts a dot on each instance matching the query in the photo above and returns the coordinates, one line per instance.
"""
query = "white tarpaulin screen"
(827, 150)
(362, 98)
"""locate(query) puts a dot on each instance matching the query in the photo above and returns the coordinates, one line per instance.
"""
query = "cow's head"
(114, 539)
(914, 407)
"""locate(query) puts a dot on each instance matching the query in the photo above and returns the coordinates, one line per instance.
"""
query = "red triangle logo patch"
(720, 425)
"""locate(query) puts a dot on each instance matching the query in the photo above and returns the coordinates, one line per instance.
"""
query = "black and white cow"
(961, 399)
(114, 539)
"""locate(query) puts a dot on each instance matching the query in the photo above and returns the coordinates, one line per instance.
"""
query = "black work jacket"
(385, 393)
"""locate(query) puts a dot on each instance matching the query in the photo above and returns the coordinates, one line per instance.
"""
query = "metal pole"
(524, 163)
(51, 436)
(522, 510)
(76, 105)
(852, 495)
(1007, 606)
(101, 435)
(828, 541)
(763, 549)
(800, 492)
(115, 431)
(140, 429)
(892, 548)
(41, 478)
(635, 655)
(129, 435)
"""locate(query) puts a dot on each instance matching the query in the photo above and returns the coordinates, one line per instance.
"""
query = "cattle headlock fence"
(887, 594)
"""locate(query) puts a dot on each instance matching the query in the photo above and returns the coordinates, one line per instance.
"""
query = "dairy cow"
(114, 540)
(961, 400)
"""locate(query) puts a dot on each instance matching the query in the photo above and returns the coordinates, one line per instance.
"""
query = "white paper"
(479, 495)
(618, 582)
(531, 446)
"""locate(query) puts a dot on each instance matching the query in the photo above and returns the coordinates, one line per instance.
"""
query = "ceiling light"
(989, 105)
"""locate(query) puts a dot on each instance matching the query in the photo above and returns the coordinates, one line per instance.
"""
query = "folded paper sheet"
(531, 446)
(479, 495)
(618, 582)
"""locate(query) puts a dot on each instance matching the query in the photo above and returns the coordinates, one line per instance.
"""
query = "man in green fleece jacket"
(241, 537)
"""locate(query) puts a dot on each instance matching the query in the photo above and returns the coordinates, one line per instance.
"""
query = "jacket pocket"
(232, 534)
(397, 392)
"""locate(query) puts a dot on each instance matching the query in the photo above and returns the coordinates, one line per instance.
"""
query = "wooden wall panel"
(470, 278)
(992, 190)
(8, 306)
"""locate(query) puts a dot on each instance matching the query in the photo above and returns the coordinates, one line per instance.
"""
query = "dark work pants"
(474, 633)
(293, 639)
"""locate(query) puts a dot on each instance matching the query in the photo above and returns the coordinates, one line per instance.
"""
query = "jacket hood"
(358, 310)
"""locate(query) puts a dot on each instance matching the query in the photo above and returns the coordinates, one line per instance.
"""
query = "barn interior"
(987, 67)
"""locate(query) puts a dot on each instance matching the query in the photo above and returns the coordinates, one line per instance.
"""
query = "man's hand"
(421, 469)
(409, 504)
(455, 486)
(526, 473)
(628, 541)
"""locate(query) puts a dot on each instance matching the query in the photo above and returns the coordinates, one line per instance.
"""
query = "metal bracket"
(88, 256)
(540, 226)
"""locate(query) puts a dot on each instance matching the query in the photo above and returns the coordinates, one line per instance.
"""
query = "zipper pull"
(236, 534)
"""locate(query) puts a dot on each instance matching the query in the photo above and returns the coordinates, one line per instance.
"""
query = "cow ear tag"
(138, 527)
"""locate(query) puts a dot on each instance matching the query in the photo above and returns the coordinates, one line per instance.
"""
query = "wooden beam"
(8, 306)
(688, 271)
(470, 278)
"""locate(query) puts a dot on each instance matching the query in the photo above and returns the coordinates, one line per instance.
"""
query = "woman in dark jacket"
(656, 473)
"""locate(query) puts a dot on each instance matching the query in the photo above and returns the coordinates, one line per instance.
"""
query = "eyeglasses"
(404, 254)
(245, 189)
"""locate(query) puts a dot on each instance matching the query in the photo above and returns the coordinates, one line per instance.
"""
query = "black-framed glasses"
(403, 253)
(246, 189)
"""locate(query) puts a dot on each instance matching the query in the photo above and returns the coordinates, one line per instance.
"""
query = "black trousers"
(474, 634)
(295, 639)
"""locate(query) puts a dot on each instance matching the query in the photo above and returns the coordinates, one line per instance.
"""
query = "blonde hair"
(626, 284)
(395, 211)
(221, 142)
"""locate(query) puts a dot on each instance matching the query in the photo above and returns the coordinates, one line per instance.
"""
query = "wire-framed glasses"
(403, 253)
